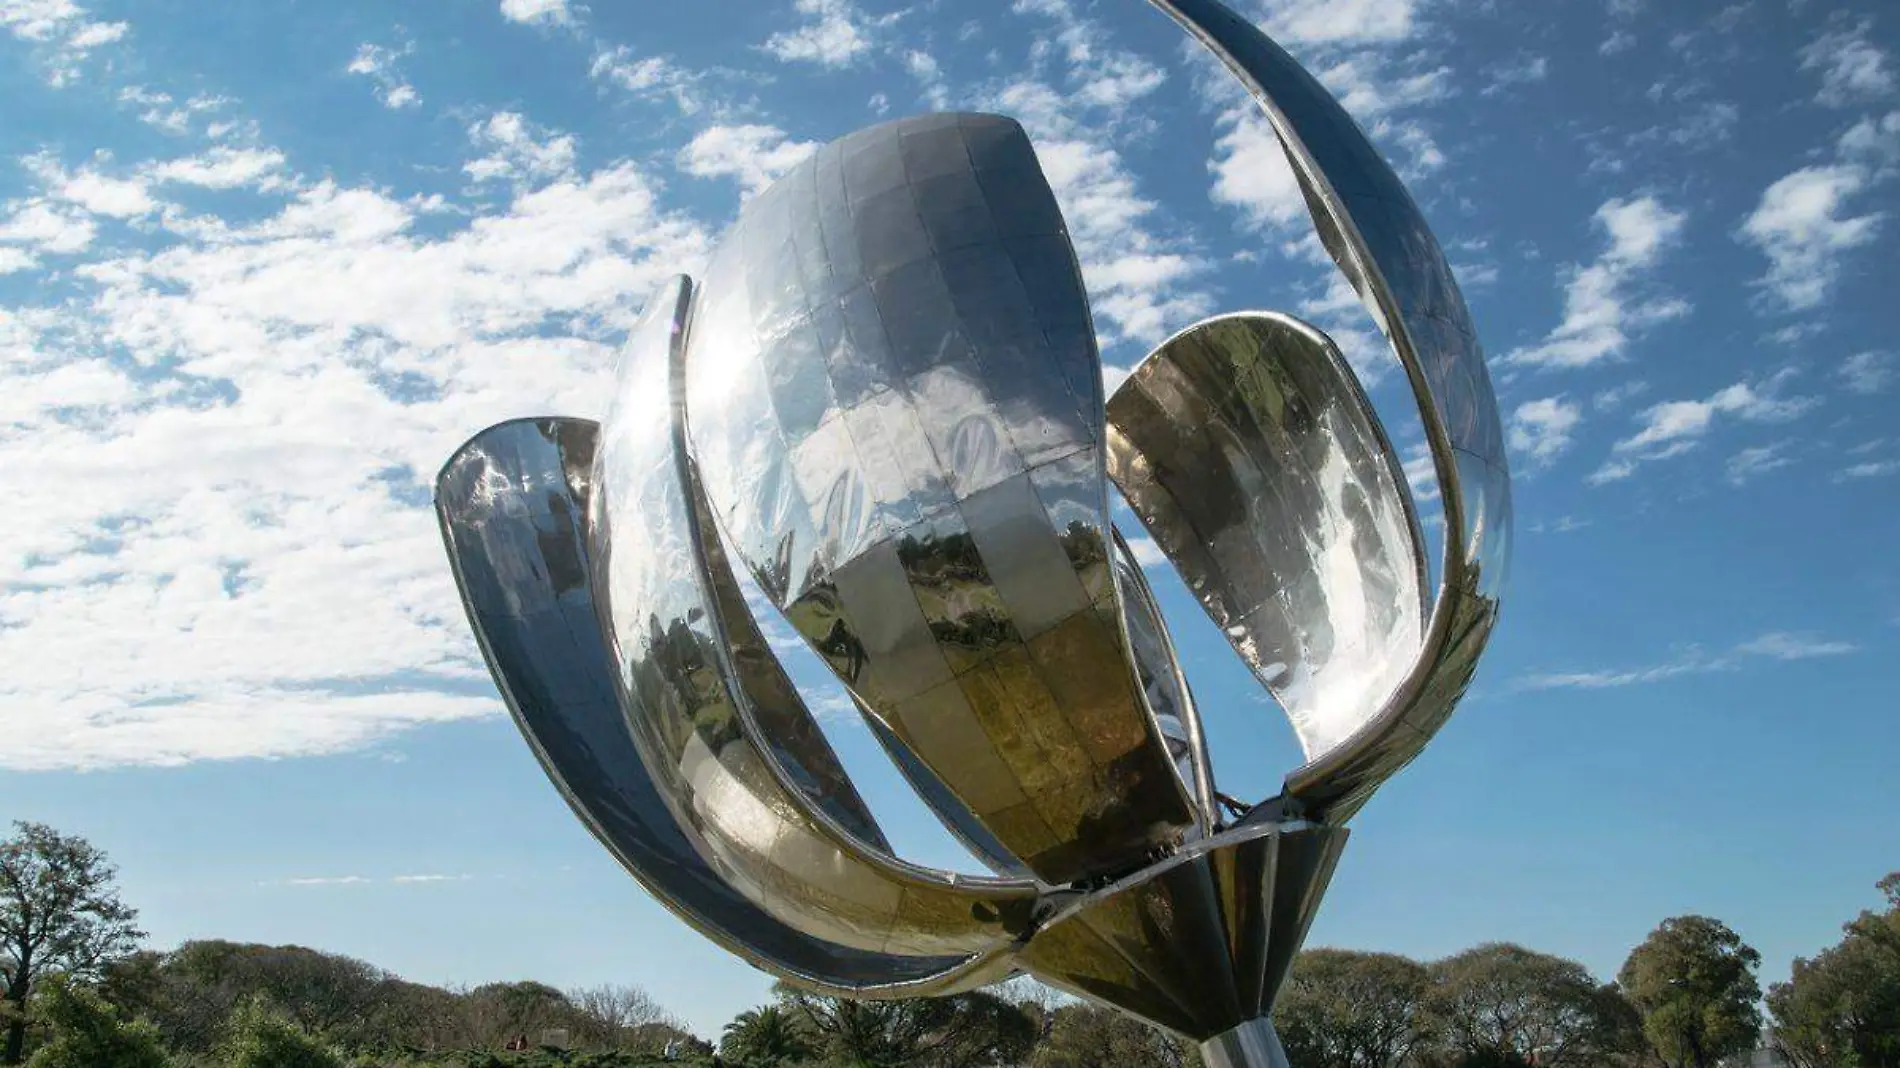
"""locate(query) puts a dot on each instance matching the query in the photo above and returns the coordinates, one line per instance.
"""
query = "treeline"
(79, 993)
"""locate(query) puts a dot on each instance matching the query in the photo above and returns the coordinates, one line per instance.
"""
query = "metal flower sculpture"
(884, 401)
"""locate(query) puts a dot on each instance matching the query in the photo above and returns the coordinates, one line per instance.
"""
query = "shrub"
(87, 1033)
(259, 1036)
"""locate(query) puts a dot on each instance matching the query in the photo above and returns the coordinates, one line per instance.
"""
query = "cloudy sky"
(263, 268)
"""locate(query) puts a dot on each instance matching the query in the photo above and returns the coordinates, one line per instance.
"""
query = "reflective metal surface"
(884, 402)
(1198, 943)
(512, 504)
(1251, 1045)
(896, 408)
(699, 687)
(1374, 231)
(1249, 452)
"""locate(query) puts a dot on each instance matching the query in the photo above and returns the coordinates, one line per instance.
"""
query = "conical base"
(1251, 1045)
(1201, 942)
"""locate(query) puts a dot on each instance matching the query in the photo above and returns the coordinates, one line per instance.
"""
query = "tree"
(1342, 1009)
(1693, 981)
(960, 1031)
(1089, 1036)
(766, 1037)
(88, 1033)
(1501, 1005)
(1842, 1009)
(59, 913)
(260, 1036)
(623, 1018)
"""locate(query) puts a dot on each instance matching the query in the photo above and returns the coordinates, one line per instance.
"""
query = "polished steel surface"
(1251, 1045)
(884, 402)
(1198, 943)
(1374, 231)
(896, 408)
(512, 504)
(700, 688)
(1248, 450)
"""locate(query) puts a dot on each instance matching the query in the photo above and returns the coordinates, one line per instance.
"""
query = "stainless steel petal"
(1382, 244)
(895, 406)
(512, 504)
(1200, 942)
(673, 618)
(1248, 450)
(1163, 684)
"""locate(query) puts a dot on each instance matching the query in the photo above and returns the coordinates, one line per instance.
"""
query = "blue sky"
(263, 267)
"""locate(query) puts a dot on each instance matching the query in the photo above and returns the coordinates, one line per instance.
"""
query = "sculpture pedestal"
(1251, 1045)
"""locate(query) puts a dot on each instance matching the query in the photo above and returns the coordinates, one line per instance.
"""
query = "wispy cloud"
(542, 12)
(753, 155)
(1852, 68)
(1803, 227)
(380, 66)
(1602, 302)
(365, 880)
(1868, 373)
(834, 34)
(1780, 646)
(1541, 430)
(1751, 463)
(1675, 427)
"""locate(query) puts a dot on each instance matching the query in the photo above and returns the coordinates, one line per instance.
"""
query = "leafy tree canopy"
(1693, 981)
(60, 913)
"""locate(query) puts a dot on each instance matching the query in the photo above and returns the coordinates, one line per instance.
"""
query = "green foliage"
(1087, 1036)
(1341, 1009)
(60, 913)
(767, 1037)
(87, 1033)
(261, 1036)
(962, 1031)
(1693, 981)
(1500, 1005)
(1842, 1009)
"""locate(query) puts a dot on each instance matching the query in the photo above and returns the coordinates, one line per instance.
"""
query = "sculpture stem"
(1251, 1045)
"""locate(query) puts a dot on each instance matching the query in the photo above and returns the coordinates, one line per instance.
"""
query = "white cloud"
(1748, 464)
(1778, 645)
(379, 65)
(1870, 469)
(1541, 430)
(545, 12)
(1870, 372)
(1784, 646)
(224, 167)
(1146, 552)
(1853, 69)
(40, 225)
(1524, 70)
(62, 30)
(835, 34)
(1800, 227)
(1341, 22)
(753, 155)
(1873, 142)
(1676, 427)
(649, 76)
(1601, 301)
(518, 151)
(254, 404)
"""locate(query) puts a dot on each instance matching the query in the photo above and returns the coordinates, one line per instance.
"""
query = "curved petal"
(1382, 244)
(512, 504)
(895, 403)
(695, 721)
(1248, 450)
